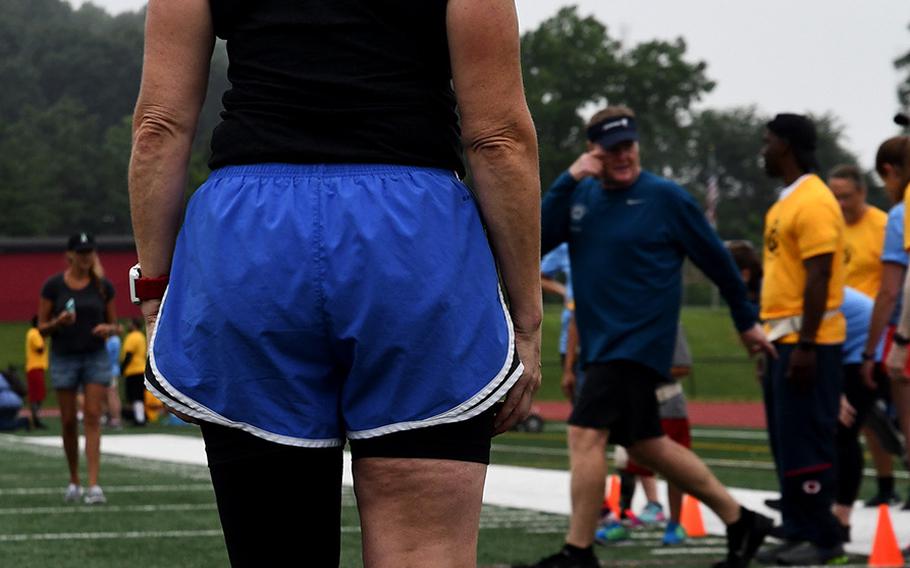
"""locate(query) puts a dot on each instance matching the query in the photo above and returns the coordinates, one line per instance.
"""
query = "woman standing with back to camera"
(332, 279)
(76, 310)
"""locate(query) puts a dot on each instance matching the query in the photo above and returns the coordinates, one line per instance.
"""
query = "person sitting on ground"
(11, 393)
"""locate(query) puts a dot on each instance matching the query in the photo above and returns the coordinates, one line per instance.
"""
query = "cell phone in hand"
(70, 306)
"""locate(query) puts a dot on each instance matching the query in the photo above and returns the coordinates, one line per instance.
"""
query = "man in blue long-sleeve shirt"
(628, 232)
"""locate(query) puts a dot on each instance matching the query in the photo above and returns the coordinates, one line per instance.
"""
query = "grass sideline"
(161, 514)
(721, 369)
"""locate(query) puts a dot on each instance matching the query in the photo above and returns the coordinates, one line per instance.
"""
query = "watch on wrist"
(142, 289)
(806, 345)
(901, 340)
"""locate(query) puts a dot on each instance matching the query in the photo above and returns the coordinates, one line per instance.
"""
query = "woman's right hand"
(65, 318)
(150, 310)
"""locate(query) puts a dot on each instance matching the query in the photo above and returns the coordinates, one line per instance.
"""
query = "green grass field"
(161, 514)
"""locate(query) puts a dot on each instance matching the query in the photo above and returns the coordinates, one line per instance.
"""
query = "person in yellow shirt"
(802, 290)
(36, 357)
(132, 368)
(864, 237)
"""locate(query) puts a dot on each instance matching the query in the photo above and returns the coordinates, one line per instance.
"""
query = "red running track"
(701, 413)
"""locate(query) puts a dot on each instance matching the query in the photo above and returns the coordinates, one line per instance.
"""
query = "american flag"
(712, 196)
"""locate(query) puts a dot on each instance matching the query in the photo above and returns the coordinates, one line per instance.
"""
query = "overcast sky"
(780, 55)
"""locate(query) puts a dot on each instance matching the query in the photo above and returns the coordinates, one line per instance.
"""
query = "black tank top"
(336, 81)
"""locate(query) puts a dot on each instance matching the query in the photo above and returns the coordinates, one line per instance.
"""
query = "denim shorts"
(70, 371)
(308, 304)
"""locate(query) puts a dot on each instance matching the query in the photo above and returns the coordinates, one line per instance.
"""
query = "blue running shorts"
(312, 303)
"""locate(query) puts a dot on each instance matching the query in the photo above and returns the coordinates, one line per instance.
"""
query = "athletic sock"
(627, 483)
(139, 412)
(886, 485)
(745, 516)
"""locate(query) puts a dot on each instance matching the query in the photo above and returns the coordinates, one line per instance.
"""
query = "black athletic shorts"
(468, 440)
(619, 396)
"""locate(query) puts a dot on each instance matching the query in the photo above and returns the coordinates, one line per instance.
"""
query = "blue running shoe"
(611, 533)
(652, 514)
(674, 534)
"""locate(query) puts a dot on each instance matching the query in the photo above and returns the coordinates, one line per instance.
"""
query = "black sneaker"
(844, 532)
(768, 554)
(777, 532)
(883, 499)
(808, 554)
(744, 537)
(565, 559)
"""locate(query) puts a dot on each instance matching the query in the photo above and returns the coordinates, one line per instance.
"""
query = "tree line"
(65, 126)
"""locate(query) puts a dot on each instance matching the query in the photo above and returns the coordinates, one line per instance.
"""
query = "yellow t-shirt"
(805, 223)
(863, 244)
(906, 218)
(134, 343)
(35, 350)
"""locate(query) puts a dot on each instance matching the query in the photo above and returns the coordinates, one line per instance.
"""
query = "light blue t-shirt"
(894, 250)
(112, 345)
(553, 263)
(8, 399)
(857, 310)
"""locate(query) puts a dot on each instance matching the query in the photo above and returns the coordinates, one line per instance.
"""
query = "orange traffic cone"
(885, 551)
(690, 517)
(613, 484)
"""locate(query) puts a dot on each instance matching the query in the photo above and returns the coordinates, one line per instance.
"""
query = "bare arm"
(178, 47)
(47, 322)
(815, 296)
(885, 300)
(553, 286)
(501, 147)
(897, 358)
(569, 378)
(802, 369)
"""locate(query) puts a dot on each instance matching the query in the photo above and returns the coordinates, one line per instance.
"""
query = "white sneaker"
(73, 493)
(95, 496)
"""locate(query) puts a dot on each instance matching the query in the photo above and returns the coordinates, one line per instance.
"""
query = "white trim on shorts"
(495, 389)
(193, 408)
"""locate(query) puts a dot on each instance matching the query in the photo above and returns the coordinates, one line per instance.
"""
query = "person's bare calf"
(589, 471)
(684, 469)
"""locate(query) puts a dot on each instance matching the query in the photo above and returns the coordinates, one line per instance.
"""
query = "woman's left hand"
(104, 330)
(150, 313)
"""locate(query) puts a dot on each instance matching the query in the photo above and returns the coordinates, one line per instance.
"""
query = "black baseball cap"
(611, 131)
(81, 242)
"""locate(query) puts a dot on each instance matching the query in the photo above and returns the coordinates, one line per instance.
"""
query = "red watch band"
(151, 288)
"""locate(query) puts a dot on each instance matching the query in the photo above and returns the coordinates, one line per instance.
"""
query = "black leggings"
(279, 505)
(849, 451)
